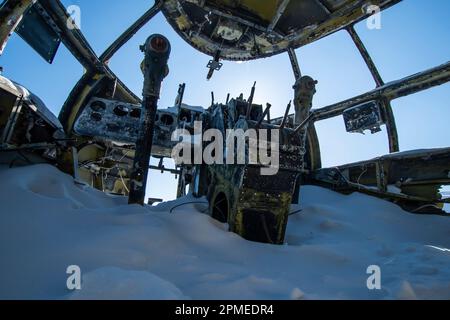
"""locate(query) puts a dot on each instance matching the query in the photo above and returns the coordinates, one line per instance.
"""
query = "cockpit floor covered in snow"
(47, 223)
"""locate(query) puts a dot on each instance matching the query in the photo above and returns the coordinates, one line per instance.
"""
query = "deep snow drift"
(48, 223)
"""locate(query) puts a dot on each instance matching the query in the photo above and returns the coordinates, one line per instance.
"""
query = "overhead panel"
(252, 29)
(38, 33)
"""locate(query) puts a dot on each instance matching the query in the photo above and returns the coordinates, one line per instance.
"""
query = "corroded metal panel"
(253, 29)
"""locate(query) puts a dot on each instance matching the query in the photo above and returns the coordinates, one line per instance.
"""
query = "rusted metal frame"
(347, 185)
(67, 110)
(73, 39)
(131, 31)
(387, 194)
(77, 44)
(388, 114)
(348, 14)
(391, 126)
(366, 56)
(12, 121)
(390, 91)
(181, 186)
(427, 153)
(241, 21)
(336, 21)
(172, 171)
(280, 11)
(382, 175)
(11, 14)
(294, 63)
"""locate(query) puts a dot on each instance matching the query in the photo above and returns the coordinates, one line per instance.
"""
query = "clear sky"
(414, 37)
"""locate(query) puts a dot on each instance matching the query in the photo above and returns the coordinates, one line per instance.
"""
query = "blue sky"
(414, 36)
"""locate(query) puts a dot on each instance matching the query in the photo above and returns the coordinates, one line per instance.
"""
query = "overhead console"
(248, 29)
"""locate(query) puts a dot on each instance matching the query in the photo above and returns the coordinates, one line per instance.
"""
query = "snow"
(48, 222)
(132, 285)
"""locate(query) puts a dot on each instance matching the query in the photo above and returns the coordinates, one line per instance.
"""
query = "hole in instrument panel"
(167, 119)
(135, 113)
(121, 110)
(96, 116)
(185, 116)
(98, 106)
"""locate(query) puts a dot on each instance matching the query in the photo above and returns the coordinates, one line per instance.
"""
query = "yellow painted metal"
(79, 103)
(265, 9)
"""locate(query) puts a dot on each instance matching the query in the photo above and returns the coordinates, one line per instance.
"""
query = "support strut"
(155, 69)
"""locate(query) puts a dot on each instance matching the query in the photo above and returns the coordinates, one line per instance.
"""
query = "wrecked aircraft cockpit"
(105, 134)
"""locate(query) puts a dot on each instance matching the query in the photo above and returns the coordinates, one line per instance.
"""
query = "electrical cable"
(360, 176)
(123, 181)
(425, 206)
(295, 212)
(183, 204)
(415, 211)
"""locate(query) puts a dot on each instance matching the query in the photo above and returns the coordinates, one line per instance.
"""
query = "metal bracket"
(214, 65)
